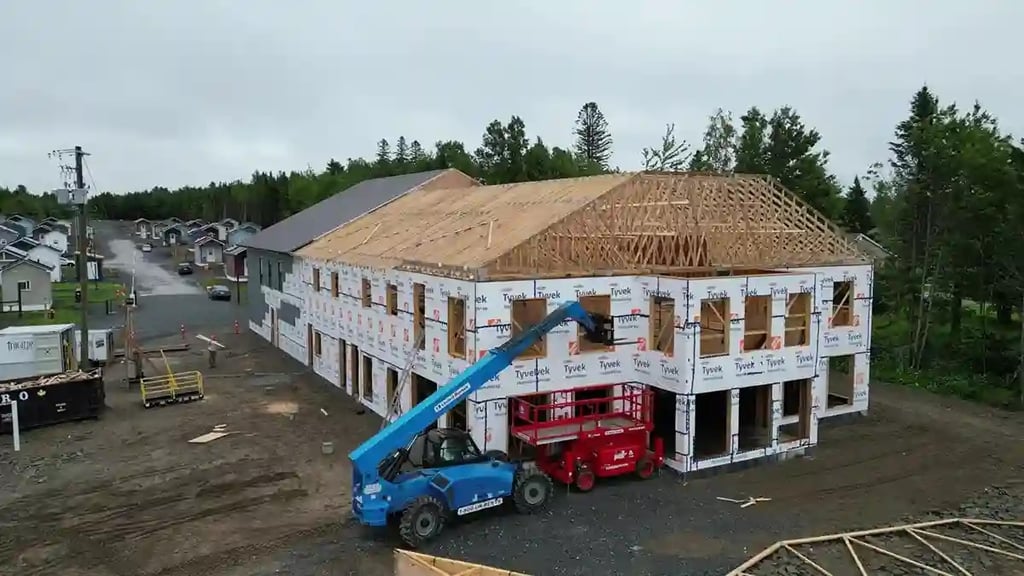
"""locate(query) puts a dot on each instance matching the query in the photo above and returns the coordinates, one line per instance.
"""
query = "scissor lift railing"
(537, 424)
(171, 388)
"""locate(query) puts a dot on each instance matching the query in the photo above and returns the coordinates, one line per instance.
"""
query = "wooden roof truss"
(665, 223)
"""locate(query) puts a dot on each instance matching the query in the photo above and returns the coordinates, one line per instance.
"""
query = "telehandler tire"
(422, 520)
(532, 490)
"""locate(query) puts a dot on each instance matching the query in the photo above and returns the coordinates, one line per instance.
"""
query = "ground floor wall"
(356, 329)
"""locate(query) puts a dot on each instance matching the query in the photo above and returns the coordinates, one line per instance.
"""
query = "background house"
(209, 250)
(158, 229)
(174, 235)
(33, 250)
(236, 266)
(143, 228)
(870, 247)
(18, 228)
(53, 235)
(23, 224)
(8, 235)
(10, 253)
(28, 281)
(241, 233)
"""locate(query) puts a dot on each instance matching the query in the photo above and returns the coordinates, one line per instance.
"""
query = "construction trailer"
(745, 311)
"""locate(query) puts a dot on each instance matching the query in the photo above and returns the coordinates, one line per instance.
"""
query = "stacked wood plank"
(62, 378)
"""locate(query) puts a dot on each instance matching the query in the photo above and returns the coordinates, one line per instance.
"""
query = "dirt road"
(129, 495)
(151, 279)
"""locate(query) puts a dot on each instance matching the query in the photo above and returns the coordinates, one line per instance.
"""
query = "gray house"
(8, 235)
(28, 278)
(241, 233)
(269, 256)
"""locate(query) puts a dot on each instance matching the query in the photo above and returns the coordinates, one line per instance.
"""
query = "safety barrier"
(171, 388)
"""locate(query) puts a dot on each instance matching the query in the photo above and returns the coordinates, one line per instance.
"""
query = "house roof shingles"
(302, 228)
(19, 262)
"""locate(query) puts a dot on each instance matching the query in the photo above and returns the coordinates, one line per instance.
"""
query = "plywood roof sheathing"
(610, 224)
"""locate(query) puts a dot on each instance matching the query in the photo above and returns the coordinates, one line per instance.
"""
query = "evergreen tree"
(401, 152)
(593, 140)
(856, 215)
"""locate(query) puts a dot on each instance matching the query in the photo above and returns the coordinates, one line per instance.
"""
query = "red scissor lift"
(596, 437)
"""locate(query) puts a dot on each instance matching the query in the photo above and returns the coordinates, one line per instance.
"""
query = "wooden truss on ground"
(942, 547)
(673, 222)
(416, 564)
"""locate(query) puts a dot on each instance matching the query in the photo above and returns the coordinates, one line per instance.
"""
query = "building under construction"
(745, 311)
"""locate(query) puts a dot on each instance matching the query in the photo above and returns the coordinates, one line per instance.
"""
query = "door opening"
(840, 381)
(367, 378)
(665, 420)
(712, 433)
(357, 384)
(796, 401)
(309, 344)
(755, 417)
(342, 368)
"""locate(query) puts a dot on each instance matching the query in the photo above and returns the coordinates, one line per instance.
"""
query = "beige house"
(26, 281)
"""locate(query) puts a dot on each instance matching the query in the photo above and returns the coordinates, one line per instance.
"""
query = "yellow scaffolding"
(171, 387)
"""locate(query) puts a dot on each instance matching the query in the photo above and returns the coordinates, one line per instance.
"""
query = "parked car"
(184, 269)
(219, 293)
(147, 247)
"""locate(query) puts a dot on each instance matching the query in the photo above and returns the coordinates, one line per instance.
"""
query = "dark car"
(184, 268)
(220, 293)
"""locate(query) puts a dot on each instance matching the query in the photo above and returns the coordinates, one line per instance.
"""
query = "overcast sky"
(188, 91)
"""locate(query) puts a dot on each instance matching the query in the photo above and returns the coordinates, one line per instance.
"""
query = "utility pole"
(77, 195)
(83, 259)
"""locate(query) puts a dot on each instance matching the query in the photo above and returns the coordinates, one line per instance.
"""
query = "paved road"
(166, 301)
(150, 278)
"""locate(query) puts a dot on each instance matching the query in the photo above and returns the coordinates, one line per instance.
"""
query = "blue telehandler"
(425, 479)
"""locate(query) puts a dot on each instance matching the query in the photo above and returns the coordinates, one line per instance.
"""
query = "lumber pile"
(62, 378)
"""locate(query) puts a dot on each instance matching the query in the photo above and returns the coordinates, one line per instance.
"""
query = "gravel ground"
(999, 503)
(128, 495)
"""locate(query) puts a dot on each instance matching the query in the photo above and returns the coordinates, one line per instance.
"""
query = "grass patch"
(39, 318)
(979, 366)
(99, 292)
(65, 309)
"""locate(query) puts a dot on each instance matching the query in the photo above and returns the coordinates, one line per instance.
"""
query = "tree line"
(778, 144)
(947, 204)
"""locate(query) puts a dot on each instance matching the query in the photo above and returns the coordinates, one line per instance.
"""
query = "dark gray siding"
(266, 268)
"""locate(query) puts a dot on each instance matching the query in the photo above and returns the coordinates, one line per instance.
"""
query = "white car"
(147, 247)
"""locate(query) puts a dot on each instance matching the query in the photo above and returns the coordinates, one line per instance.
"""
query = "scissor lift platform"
(580, 440)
